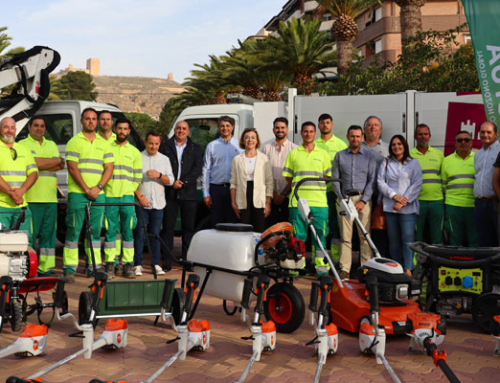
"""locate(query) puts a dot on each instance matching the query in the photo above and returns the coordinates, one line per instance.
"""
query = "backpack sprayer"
(194, 335)
(263, 333)
(327, 336)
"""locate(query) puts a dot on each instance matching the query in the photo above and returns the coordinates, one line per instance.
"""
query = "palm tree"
(5, 41)
(410, 18)
(344, 29)
(206, 84)
(301, 50)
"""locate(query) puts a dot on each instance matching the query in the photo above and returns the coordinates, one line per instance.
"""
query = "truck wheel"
(178, 305)
(484, 308)
(16, 315)
(285, 307)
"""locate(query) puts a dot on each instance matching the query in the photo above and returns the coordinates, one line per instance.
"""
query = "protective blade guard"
(263, 333)
(422, 326)
(32, 342)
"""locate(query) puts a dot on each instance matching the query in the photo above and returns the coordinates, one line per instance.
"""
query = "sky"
(148, 38)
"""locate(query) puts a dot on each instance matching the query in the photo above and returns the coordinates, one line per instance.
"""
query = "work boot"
(69, 276)
(128, 271)
(344, 274)
(110, 270)
(119, 269)
(320, 271)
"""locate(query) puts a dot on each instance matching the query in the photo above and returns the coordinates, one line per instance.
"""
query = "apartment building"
(380, 28)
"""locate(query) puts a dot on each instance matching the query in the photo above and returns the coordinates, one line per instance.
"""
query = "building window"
(467, 39)
(327, 17)
(378, 14)
(378, 46)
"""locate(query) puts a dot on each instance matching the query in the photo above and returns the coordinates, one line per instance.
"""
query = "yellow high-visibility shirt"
(127, 170)
(458, 178)
(430, 162)
(45, 188)
(332, 147)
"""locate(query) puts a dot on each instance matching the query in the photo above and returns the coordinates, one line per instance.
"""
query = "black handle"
(325, 286)
(98, 286)
(247, 289)
(167, 293)
(441, 362)
(5, 286)
(59, 295)
(262, 285)
(313, 301)
(372, 285)
(19, 220)
(326, 179)
(191, 286)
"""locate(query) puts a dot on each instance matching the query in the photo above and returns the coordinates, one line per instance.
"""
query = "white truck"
(444, 113)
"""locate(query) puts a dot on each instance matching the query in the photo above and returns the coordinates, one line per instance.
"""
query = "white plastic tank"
(229, 250)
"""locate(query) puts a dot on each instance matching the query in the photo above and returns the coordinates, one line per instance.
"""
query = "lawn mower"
(18, 269)
(460, 280)
(349, 299)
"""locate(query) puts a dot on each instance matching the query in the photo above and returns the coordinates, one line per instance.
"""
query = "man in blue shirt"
(216, 175)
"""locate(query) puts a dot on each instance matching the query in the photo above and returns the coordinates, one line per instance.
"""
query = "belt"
(225, 185)
(484, 199)
(352, 193)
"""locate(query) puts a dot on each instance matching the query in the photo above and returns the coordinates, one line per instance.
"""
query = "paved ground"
(469, 353)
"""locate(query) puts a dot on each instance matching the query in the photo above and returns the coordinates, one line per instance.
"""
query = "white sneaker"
(138, 270)
(159, 270)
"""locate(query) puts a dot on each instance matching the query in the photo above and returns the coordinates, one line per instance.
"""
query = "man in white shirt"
(277, 151)
(157, 173)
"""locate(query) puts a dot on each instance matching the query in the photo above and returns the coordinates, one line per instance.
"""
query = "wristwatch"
(100, 186)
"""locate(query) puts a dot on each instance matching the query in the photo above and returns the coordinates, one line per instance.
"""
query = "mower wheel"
(178, 305)
(484, 308)
(84, 307)
(285, 307)
(16, 315)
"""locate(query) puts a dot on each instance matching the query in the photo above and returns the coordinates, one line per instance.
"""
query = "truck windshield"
(58, 128)
(203, 130)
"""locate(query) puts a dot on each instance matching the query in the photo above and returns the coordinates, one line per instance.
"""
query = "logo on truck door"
(463, 116)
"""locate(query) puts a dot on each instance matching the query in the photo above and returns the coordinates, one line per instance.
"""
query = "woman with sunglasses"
(399, 182)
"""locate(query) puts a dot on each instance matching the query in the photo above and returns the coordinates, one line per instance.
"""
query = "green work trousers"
(75, 216)
(320, 223)
(431, 214)
(44, 217)
(462, 227)
(8, 217)
(120, 219)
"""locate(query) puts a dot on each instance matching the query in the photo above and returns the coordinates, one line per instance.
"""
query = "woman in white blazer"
(252, 182)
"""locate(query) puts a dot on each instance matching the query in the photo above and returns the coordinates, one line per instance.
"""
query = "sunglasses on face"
(463, 140)
(13, 153)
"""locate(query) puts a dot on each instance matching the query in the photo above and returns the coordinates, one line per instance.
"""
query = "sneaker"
(110, 270)
(128, 271)
(344, 274)
(119, 269)
(159, 270)
(69, 277)
(138, 271)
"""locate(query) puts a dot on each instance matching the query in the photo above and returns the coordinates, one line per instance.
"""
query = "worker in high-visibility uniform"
(308, 160)
(457, 173)
(42, 197)
(332, 145)
(90, 166)
(127, 175)
(431, 199)
(18, 173)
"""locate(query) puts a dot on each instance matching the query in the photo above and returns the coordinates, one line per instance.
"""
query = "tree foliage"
(432, 62)
(75, 86)
(143, 123)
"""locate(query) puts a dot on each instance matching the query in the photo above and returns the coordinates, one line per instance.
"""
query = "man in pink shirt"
(277, 152)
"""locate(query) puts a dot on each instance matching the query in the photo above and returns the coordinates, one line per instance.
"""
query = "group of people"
(420, 192)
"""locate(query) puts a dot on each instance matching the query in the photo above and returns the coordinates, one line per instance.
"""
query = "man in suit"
(187, 161)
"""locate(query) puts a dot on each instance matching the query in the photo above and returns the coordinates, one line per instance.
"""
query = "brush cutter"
(327, 335)
(263, 333)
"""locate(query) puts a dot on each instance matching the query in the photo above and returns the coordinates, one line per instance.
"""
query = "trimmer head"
(422, 326)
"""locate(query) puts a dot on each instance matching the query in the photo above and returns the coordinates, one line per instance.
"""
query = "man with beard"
(18, 173)
(106, 126)
(90, 166)
(42, 197)
(127, 175)
(277, 152)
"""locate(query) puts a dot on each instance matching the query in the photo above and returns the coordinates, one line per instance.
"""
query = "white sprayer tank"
(231, 250)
